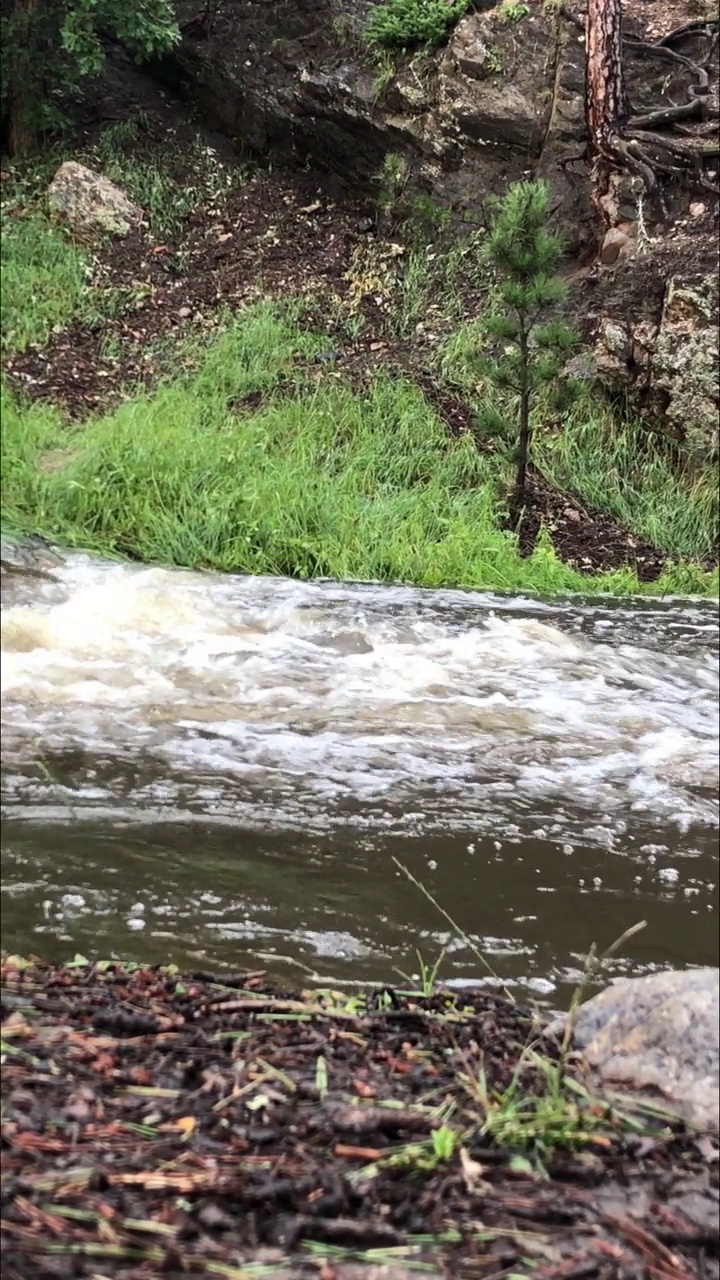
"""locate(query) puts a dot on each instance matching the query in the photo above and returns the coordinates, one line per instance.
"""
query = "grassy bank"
(251, 450)
(317, 480)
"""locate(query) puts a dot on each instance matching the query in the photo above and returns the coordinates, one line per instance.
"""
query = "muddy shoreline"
(205, 1124)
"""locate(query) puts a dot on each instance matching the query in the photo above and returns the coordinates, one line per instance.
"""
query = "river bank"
(269, 378)
(209, 1124)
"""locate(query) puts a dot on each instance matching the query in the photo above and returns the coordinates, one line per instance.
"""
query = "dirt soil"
(275, 236)
(157, 1124)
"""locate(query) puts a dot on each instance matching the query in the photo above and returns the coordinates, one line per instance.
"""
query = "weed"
(460, 933)
(493, 60)
(421, 1157)
(169, 185)
(372, 273)
(430, 287)
(343, 29)
(642, 479)
(558, 1113)
(593, 964)
(404, 24)
(428, 219)
(509, 13)
(386, 68)
(428, 974)
(444, 1143)
(391, 180)
(125, 132)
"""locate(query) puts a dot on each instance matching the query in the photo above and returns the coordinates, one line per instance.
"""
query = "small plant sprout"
(321, 1077)
(520, 353)
(509, 13)
(444, 1142)
(427, 975)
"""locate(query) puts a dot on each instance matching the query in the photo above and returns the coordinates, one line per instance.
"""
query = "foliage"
(51, 45)
(522, 354)
(48, 279)
(404, 24)
(644, 480)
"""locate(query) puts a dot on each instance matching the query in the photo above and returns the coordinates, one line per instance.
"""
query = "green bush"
(403, 24)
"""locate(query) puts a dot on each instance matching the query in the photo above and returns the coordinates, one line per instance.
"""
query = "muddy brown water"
(220, 772)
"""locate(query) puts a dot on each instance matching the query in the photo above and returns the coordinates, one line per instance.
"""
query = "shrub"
(403, 24)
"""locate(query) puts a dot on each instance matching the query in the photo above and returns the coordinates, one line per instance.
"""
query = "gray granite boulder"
(658, 1037)
(90, 202)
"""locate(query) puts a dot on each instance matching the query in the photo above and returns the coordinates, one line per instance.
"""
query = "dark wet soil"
(276, 236)
(159, 1124)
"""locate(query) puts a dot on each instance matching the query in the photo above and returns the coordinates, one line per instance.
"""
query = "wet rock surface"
(658, 1034)
(28, 557)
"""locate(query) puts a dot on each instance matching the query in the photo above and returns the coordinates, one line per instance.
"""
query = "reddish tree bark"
(605, 97)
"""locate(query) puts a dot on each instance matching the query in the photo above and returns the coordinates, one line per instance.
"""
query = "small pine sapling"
(525, 344)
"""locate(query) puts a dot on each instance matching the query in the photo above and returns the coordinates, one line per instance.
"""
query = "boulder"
(650, 325)
(684, 364)
(91, 202)
(659, 1037)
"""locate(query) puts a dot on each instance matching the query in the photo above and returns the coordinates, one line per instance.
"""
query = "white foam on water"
(316, 695)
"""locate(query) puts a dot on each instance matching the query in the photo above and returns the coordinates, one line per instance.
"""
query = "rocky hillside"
(297, 81)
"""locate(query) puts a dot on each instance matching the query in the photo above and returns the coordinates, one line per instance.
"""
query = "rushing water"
(226, 772)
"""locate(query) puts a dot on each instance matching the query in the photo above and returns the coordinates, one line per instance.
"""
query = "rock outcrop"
(657, 1036)
(91, 202)
(296, 81)
(27, 557)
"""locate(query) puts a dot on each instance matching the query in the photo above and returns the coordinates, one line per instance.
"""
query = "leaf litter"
(205, 1124)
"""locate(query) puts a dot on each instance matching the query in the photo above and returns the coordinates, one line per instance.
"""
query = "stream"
(231, 772)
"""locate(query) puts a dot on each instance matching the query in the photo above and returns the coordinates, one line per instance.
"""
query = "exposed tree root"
(621, 138)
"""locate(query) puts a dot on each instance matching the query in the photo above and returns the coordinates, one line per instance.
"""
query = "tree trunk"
(518, 498)
(605, 97)
(21, 71)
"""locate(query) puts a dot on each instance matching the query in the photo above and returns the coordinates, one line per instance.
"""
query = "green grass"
(316, 481)
(633, 475)
(44, 279)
